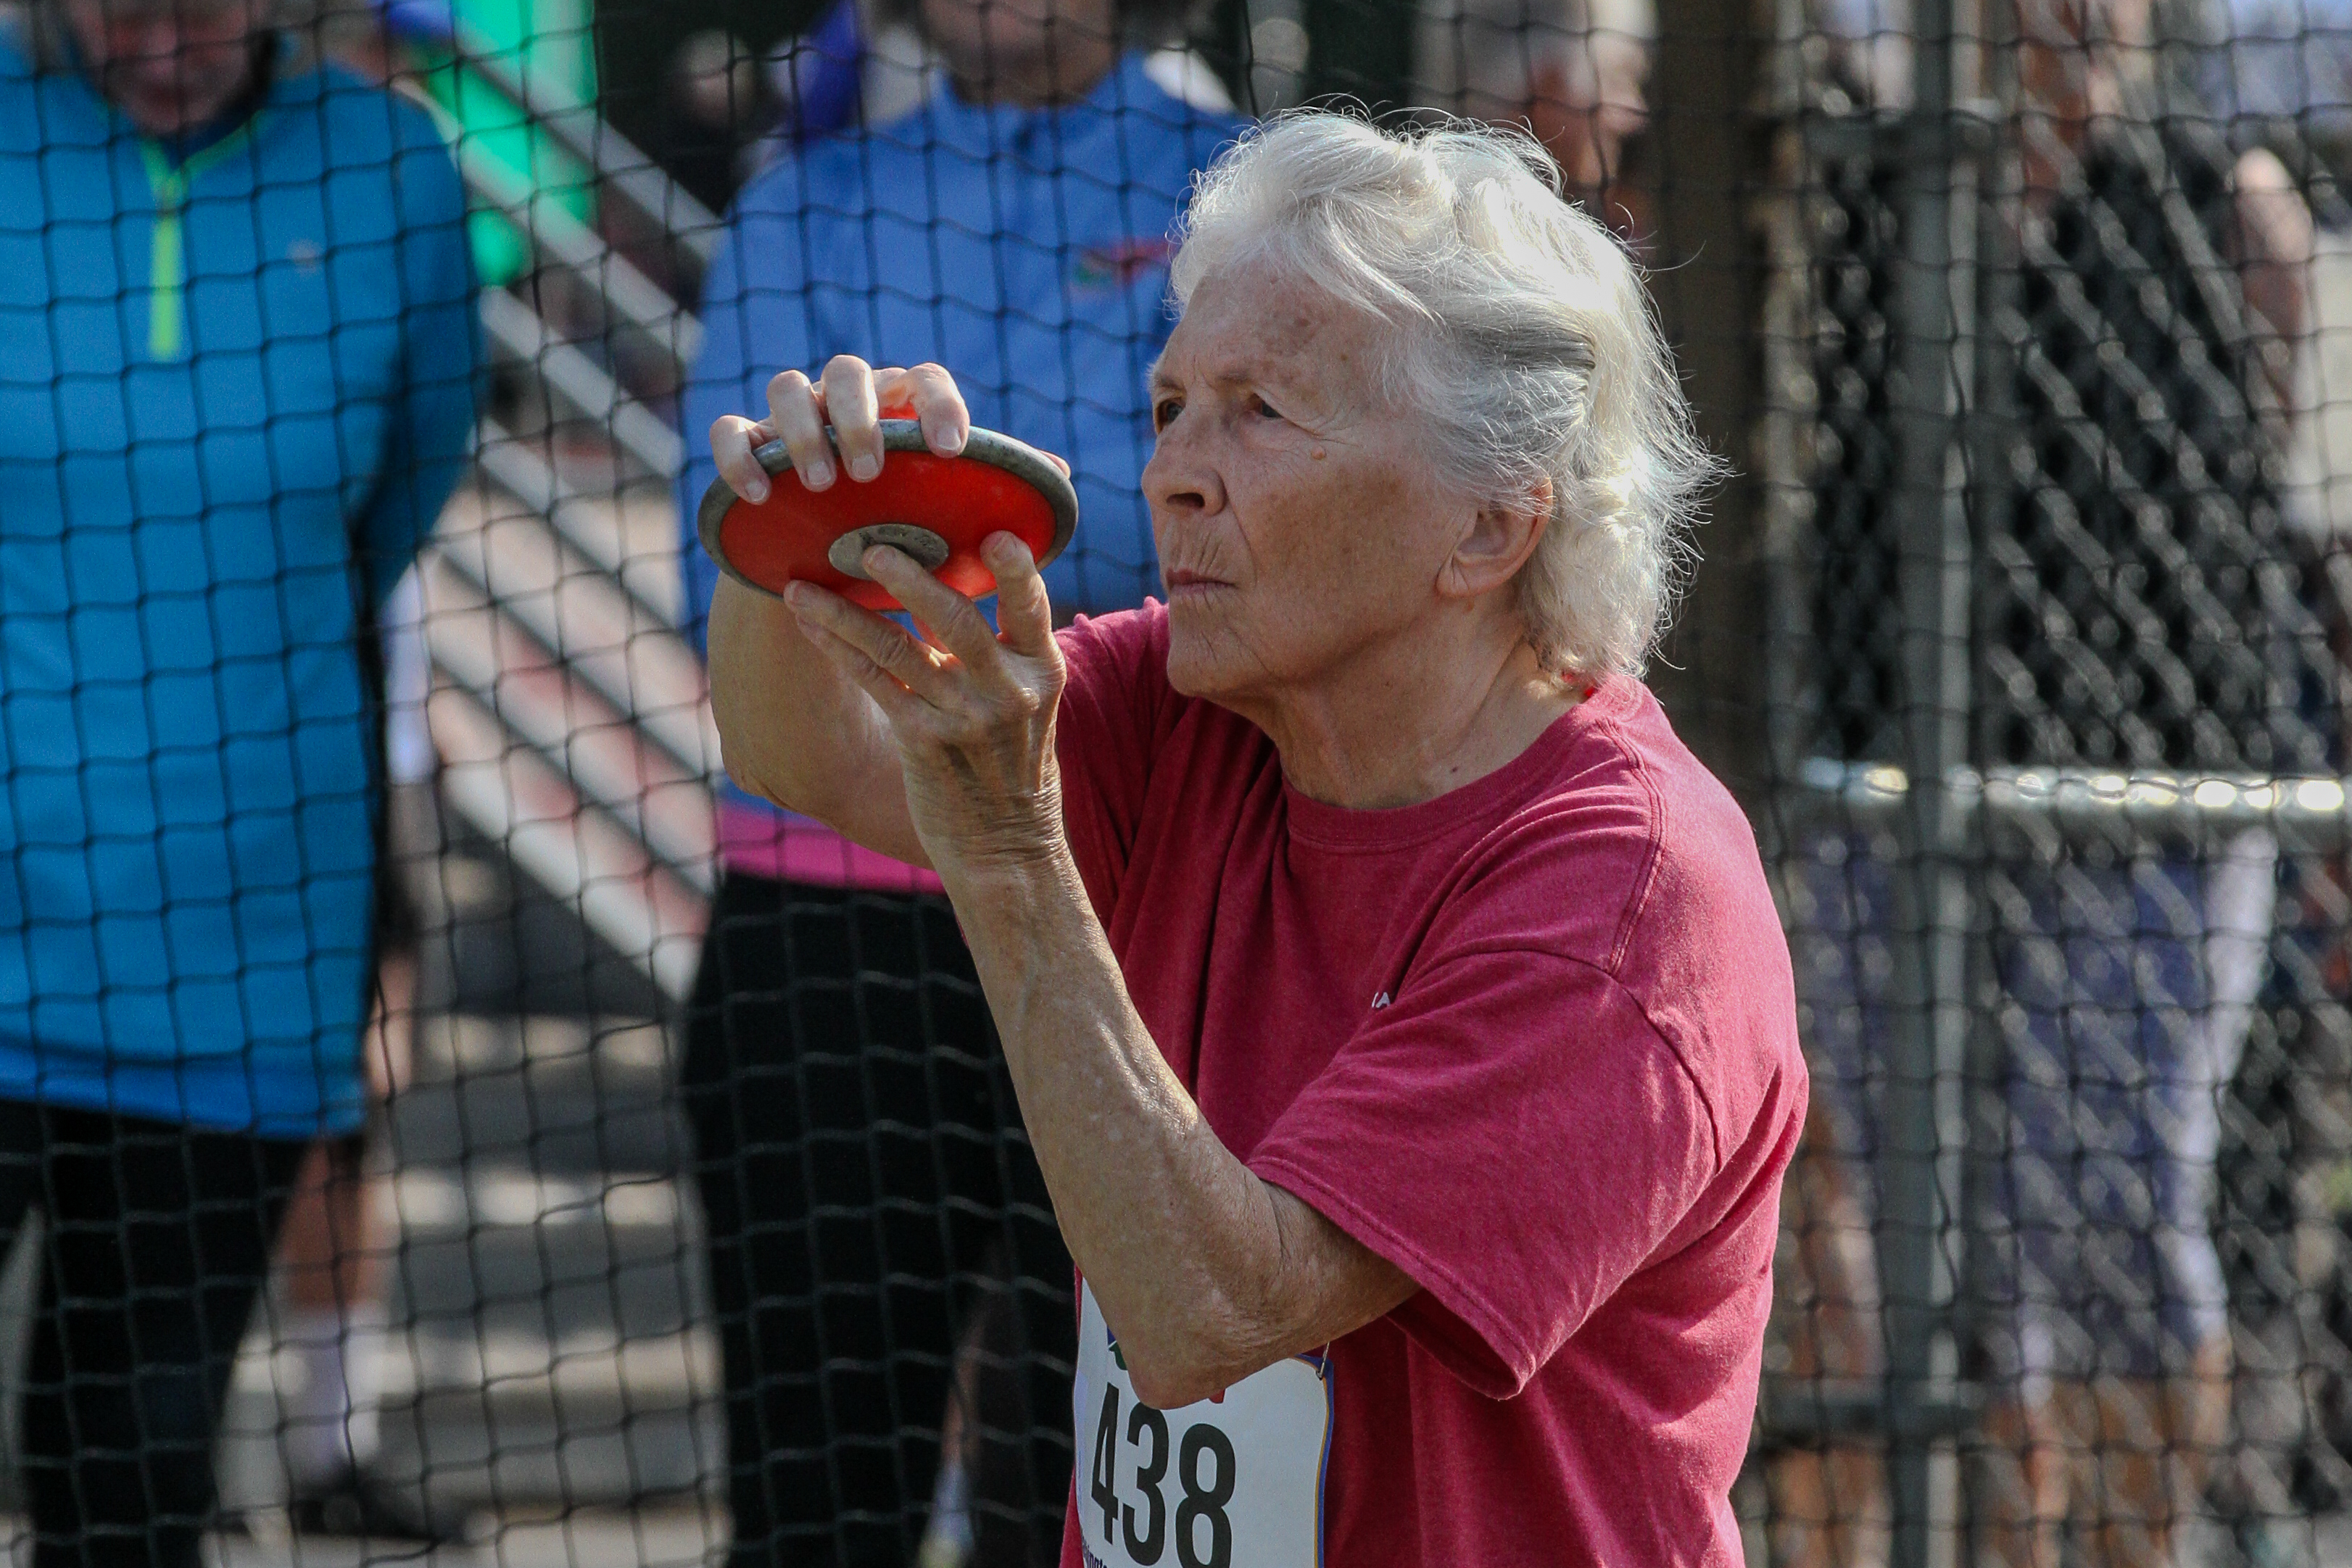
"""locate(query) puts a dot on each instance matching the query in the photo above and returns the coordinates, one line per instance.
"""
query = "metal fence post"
(1918, 1174)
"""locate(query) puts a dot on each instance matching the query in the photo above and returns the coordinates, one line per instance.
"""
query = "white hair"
(1526, 340)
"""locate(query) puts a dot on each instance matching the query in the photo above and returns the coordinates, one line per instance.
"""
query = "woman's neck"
(1399, 727)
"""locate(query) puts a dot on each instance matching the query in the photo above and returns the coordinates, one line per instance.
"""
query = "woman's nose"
(1180, 477)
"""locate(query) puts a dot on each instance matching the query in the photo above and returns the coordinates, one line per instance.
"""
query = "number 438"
(1204, 1469)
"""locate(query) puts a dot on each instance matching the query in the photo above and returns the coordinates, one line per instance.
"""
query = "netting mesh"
(2140, 1081)
(437, 1111)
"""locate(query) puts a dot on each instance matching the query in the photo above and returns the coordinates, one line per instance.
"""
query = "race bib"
(1234, 1482)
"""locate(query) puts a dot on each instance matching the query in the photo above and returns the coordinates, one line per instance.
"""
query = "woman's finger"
(947, 422)
(1024, 612)
(951, 621)
(898, 703)
(850, 401)
(922, 669)
(733, 439)
(797, 415)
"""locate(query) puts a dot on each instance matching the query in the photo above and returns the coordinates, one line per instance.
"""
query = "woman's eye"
(1164, 412)
(1263, 409)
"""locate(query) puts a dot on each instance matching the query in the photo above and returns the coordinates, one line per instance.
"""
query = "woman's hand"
(804, 717)
(851, 398)
(794, 730)
(972, 709)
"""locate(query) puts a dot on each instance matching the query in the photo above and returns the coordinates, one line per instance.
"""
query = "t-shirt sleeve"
(1514, 1135)
(1112, 707)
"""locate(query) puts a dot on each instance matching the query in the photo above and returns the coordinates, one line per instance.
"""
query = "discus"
(938, 510)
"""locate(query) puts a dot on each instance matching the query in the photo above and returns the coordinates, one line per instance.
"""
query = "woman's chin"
(1196, 664)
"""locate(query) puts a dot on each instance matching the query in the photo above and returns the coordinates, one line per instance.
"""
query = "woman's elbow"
(1173, 1388)
(740, 774)
(1186, 1367)
(747, 746)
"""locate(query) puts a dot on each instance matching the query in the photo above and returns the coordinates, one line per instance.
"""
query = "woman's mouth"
(1182, 585)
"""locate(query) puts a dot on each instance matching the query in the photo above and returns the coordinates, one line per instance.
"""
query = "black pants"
(158, 1240)
(879, 1234)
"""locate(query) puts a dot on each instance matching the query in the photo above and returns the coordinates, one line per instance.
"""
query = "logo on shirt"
(1119, 264)
(1380, 1002)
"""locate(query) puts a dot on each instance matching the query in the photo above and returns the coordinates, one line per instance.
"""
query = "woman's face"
(1298, 517)
(171, 67)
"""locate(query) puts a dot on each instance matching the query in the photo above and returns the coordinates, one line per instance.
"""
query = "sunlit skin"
(1030, 53)
(941, 751)
(171, 67)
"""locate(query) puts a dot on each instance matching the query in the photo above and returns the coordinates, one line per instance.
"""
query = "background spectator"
(2139, 610)
(2279, 72)
(1571, 70)
(715, 103)
(223, 444)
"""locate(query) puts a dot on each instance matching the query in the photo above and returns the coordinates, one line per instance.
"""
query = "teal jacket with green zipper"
(234, 391)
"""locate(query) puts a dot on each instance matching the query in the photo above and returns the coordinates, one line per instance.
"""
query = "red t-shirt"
(1534, 1042)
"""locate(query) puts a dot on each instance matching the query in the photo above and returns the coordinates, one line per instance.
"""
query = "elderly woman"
(1397, 1008)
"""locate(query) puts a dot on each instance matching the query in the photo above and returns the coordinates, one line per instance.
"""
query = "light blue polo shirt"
(233, 393)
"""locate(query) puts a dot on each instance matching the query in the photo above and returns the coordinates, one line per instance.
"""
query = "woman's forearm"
(795, 732)
(1207, 1272)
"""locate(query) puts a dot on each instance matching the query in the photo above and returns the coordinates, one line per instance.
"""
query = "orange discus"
(937, 509)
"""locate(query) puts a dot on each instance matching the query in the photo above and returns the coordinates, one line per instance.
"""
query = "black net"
(439, 1113)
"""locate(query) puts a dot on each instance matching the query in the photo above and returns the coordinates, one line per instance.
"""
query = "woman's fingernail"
(817, 475)
(756, 491)
(864, 468)
(951, 442)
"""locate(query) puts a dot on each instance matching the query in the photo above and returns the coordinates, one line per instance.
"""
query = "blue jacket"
(234, 394)
(1026, 250)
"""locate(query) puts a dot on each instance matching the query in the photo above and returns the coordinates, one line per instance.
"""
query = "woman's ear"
(1495, 544)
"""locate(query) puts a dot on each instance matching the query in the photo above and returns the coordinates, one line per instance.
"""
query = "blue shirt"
(234, 394)
(1024, 250)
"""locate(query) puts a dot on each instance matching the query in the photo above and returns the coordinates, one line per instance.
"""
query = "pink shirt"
(783, 846)
(1534, 1042)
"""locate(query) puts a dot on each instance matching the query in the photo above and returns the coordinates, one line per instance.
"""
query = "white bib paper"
(1231, 1482)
